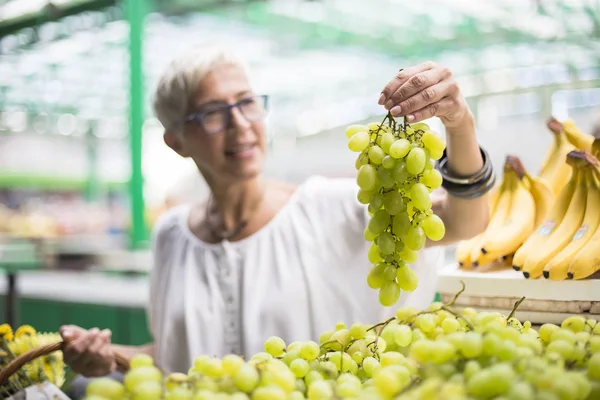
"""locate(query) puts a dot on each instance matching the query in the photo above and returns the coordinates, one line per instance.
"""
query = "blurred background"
(84, 172)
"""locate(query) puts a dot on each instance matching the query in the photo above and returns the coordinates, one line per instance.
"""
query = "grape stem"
(514, 310)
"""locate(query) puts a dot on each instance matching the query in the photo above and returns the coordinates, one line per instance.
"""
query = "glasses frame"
(198, 117)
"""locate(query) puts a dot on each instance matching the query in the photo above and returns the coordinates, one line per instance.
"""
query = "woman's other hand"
(88, 352)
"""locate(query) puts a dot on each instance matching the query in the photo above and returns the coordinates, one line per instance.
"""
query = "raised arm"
(430, 90)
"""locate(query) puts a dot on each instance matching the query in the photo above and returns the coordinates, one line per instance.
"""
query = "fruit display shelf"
(498, 289)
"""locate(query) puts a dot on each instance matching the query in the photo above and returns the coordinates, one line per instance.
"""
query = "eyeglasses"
(217, 119)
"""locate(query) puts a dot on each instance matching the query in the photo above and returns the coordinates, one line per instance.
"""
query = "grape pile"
(436, 354)
(396, 175)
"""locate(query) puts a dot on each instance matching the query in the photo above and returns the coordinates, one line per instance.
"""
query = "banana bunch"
(518, 206)
(567, 244)
(555, 170)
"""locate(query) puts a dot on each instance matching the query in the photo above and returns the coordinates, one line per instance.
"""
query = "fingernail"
(66, 333)
(395, 111)
(410, 117)
(381, 99)
(389, 104)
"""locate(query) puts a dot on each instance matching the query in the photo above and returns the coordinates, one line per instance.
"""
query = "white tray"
(500, 288)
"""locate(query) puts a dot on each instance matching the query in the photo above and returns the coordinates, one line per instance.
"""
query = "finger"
(71, 332)
(431, 110)
(416, 84)
(75, 350)
(429, 95)
(401, 77)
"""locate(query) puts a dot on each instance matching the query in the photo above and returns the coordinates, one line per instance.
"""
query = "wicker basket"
(18, 363)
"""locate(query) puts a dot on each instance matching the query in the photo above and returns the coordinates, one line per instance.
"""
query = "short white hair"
(179, 82)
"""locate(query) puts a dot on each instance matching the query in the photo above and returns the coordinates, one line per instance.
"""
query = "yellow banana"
(542, 196)
(596, 148)
(520, 221)
(560, 236)
(496, 220)
(555, 170)
(582, 141)
(463, 252)
(554, 218)
(558, 266)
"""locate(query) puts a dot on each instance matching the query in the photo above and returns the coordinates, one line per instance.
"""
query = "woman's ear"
(174, 141)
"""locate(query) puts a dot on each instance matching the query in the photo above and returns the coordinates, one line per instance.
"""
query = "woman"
(266, 258)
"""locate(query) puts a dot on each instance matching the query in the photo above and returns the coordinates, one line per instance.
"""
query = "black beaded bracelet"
(467, 187)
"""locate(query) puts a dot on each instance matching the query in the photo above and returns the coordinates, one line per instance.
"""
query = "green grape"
(436, 154)
(415, 161)
(364, 196)
(379, 222)
(399, 248)
(299, 367)
(403, 335)
(231, 363)
(471, 345)
(390, 381)
(393, 202)
(386, 141)
(358, 142)
(290, 355)
(575, 323)
(546, 332)
(385, 242)
(399, 172)
(432, 178)
(408, 256)
(320, 390)
(108, 388)
(420, 127)
(388, 162)
(563, 334)
(179, 393)
(141, 360)
(407, 279)
(425, 322)
(275, 346)
(389, 273)
(368, 235)
(366, 177)
(376, 154)
(400, 148)
(401, 224)
(370, 366)
(376, 201)
(141, 374)
(389, 294)
(415, 238)
(358, 331)
(385, 177)
(420, 197)
(374, 254)
(311, 350)
(353, 129)
(429, 164)
(431, 141)
(434, 227)
(375, 279)
(450, 325)
(269, 393)
(146, 390)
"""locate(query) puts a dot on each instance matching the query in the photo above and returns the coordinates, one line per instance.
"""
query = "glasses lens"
(253, 108)
(215, 120)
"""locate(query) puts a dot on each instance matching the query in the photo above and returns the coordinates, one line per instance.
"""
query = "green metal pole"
(135, 15)
(93, 176)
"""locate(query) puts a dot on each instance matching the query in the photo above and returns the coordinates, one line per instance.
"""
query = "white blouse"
(297, 277)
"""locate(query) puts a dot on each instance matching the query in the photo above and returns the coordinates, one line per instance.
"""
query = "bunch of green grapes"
(395, 176)
(437, 354)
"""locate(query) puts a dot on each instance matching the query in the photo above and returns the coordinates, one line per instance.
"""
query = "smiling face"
(236, 152)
